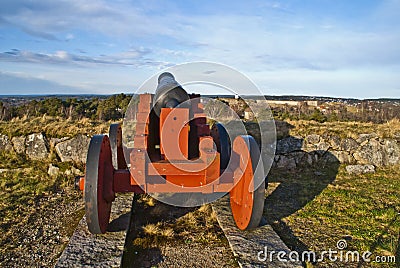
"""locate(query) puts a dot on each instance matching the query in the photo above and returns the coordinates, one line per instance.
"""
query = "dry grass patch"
(390, 129)
(52, 126)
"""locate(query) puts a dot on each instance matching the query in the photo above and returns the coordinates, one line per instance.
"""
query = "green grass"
(363, 209)
(21, 187)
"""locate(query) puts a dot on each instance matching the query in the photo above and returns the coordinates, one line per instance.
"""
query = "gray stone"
(360, 169)
(313, 138)
(286, 162)
(362, 138)
(74, 149)
(5, 144)
(55, 141)
(329, 158)
(393, 152)
(348, 145)
(289, 144)
(322, 146)
(334, 141)
(310, 158)
(371, 153)
(99, 250)
(299, 157)
(19, 144)
(53, 171)
(36, 146)
(246, 245)
(343, 157)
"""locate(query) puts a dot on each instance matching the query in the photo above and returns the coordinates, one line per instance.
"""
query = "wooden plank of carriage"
(251, 248)
(85, 249)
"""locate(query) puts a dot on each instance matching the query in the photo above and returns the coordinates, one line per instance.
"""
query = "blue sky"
(298, 47)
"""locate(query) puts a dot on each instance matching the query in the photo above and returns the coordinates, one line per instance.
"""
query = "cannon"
(175, 151)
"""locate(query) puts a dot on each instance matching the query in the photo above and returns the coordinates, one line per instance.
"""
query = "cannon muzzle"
(169, 93)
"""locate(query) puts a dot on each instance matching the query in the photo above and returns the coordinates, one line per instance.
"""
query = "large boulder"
(19, 144)
(54, 141)
(334, 142)
(286, 162)
(343, 157)
(393, 152)
(372, 153)
(5, 144)
(37, 147)
(364, 138)
(349, 145)
(289, 144)
(74, 149)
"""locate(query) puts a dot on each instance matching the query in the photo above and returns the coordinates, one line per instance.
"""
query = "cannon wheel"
(221, 139)
(98, 190)
(117, 152)
(247, 205)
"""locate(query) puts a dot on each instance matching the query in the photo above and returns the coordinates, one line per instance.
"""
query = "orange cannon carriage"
(174, 151)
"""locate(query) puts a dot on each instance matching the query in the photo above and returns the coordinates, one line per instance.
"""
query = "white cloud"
(270, 38)
(132, 57)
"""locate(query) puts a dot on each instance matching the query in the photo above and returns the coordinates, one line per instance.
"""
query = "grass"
(163, 226)
(197, 226)
(56, 127)
(362, 209)
(390, 129)
(22, 188)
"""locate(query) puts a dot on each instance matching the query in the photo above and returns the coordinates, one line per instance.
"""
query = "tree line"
(111, 108)
(114, 107)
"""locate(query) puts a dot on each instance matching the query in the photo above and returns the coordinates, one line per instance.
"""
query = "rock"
(313, 138)
(329, 158)
(5, 144)
(74, 149)
(322, 146)
(343, 157)
(55, 141)
(371, 153)
(348, 145)
(289, 144)
(310, 158)
(286, 162)
(393, 152)
(19, 144)
(53, 171)
(360, 169)
(36, 146)
(73, 171)
(362, 138)
(300, 158)
(334, 141)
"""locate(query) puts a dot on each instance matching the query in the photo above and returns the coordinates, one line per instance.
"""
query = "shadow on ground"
(290, 189)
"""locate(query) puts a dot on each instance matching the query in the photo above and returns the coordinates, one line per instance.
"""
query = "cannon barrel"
(169, 93)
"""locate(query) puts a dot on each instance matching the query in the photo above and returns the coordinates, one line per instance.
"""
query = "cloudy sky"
(335, 48)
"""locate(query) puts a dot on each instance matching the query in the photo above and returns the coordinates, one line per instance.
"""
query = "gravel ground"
(38, 239)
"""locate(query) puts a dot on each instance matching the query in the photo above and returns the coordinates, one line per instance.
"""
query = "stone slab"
(85, 249)
(246, 245)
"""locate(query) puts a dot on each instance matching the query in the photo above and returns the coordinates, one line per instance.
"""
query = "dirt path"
(165, 236)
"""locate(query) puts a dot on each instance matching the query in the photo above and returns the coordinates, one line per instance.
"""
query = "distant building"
(280, 102)
(314, 103)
